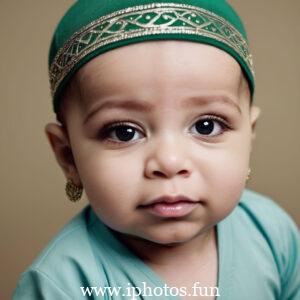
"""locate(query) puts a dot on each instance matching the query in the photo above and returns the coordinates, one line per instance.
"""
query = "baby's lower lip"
(177, 209)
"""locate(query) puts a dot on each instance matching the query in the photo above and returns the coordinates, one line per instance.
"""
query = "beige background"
(33, 204)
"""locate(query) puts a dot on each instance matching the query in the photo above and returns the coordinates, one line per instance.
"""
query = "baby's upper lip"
(170, 199)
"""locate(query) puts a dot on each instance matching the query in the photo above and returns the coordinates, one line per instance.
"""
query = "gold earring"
(73, 191)
(248, 174)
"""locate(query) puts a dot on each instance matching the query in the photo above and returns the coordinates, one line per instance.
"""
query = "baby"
(154, 102)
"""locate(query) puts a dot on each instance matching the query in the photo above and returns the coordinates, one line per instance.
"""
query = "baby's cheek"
(226, 180)
(111, 179)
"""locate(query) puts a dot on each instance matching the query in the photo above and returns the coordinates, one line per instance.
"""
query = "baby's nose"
(168, 158)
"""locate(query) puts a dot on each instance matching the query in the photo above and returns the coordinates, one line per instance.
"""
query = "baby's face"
(162, 119)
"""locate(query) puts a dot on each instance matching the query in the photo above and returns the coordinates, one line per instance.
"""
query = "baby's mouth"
(171, 206)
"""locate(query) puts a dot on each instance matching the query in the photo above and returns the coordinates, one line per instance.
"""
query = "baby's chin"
(169, 236)
(178, 237)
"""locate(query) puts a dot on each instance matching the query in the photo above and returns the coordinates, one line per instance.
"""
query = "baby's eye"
(120, 133)
(209, 126)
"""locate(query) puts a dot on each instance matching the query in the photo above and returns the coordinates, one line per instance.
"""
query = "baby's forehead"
(160, 69)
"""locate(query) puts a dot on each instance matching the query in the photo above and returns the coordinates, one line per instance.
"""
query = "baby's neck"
(195, 250)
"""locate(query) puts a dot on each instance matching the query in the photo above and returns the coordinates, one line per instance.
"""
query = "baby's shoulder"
(267, 215)
(66, 261)
(266, 223)
(68, 245)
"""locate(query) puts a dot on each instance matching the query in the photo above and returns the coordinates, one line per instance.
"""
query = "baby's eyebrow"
(125, 104)
(206, 100)
(143, 106)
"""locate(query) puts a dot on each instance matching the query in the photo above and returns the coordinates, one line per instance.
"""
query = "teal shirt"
(258, 249)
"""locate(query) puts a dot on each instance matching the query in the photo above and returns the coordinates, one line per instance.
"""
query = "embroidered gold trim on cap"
(142, 20)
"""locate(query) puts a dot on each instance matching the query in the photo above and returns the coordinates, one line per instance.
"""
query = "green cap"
(92, 27)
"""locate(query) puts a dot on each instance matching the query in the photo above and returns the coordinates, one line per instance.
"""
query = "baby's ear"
(60, 144)
(254, 115)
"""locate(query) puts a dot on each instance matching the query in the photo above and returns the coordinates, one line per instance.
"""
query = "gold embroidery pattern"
(142, 20)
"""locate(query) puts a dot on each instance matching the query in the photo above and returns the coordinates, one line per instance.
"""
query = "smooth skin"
(171, 89)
